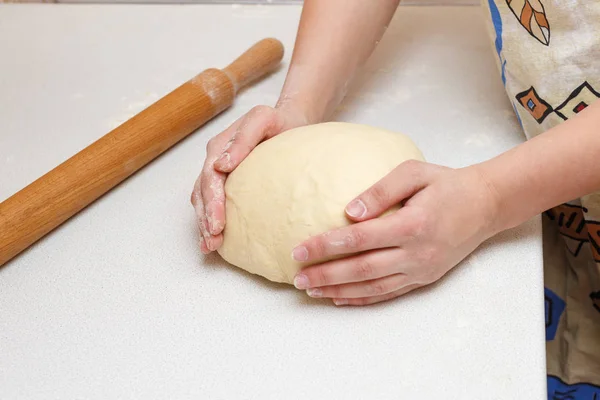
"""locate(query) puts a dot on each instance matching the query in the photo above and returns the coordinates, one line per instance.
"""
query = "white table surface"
(119, 302)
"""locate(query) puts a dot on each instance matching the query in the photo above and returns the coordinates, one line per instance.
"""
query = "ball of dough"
(296, 185)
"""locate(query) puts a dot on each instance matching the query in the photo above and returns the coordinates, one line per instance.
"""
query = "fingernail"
(356, 209)
(215, 227)
(209, 244)
(300, 253)
(301, 281)
(314, 292)
(340, 302)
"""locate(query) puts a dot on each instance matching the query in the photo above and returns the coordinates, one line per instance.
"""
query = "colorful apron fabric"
(548, 54)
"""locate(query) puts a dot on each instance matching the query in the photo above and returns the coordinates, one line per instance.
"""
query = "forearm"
(554, 167)
(334, 39)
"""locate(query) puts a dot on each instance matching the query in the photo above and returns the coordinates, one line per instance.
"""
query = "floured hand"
(447, 213)
(224, 153)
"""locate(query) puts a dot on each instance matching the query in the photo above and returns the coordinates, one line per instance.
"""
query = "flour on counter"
(133, 108)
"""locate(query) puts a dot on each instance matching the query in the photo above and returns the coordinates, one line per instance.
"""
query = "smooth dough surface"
(296, 185)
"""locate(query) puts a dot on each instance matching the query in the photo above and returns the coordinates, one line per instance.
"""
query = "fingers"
(359, 268)
(404, 181)
(209, 190)
(201, 223)
(213, 197)
(372, 288)
(261, 123)
(212, 192)
(368, 235)
(375, 299)
(208, 242)
(224, 153)
(208, 198)
(203, 248)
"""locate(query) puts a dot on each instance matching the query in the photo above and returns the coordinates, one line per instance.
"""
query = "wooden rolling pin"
(55, 197)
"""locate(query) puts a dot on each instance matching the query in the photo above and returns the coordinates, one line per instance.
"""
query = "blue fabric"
(554, 307)
(558, 390)
(497, 22)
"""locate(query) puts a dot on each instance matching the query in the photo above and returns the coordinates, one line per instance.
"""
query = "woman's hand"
(224, 153)
(326, 57)
(447, 213)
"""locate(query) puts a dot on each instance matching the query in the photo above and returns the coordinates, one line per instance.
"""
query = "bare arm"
(335, 38)
(552, 168)
(447, 213)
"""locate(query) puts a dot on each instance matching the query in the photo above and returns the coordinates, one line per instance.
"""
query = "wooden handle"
(260, 59)
(46, 203)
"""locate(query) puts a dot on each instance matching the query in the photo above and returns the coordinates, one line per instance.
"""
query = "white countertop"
(119, 302)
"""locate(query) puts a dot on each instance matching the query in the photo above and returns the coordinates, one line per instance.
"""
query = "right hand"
(224, 153)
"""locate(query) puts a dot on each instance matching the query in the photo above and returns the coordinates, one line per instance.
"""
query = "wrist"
(510, 208)
(490, 203)
(299, 111)
(311, 92)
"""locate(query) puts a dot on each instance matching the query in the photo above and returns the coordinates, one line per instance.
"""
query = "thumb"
(403, 182)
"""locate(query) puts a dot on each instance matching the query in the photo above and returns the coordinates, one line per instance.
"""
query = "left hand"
(447, 213)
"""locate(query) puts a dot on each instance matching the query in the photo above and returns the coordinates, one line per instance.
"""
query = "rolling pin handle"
(37, 209)
(257, 61)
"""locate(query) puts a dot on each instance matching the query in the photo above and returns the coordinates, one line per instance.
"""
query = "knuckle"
(205, 176)
(322, 276)
(379, 194)
(427, 256)
(262, 110)
(363, 301)
(317, 247)
(412, 169)
(202, 227)
(419, 223)
(270, 120)
(336, 291)
(355, 239)
(363, 269)
(435, 276)
(390, 296)
(376, 288)
(196, 195)
(429, 277)
(263, 114)
(211, 144)
(428, 270)
(412, 166)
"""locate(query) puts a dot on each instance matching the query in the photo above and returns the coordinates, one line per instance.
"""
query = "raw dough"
(297, 184)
